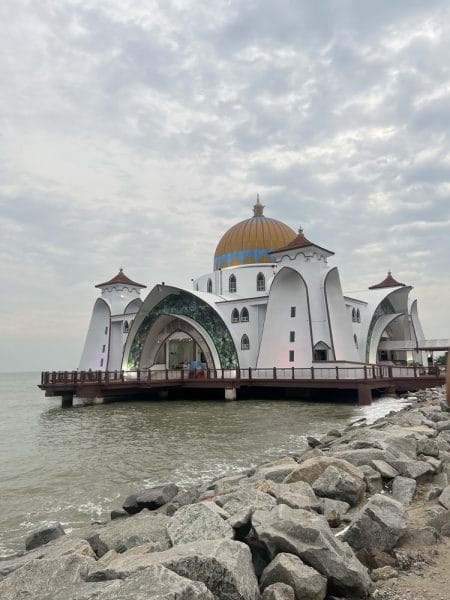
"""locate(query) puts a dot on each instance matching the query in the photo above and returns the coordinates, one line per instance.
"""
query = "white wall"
(97, 338)
(340, 319)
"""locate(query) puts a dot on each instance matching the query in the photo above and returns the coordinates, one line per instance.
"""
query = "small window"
(293, 311)
(292, 336)
(104, 347)
(101, 362)
(196, 287)
(244, 315)
(260, 282)
(245, 342)
(126, 327)
(106, 330)
(235, 316)
(232, 287)
(355, 337)
(209, 286)
(353, 315)
(358, 316)
(291, 356)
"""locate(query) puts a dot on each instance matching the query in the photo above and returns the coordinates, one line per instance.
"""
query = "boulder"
(153, 498)
(226, 484)
(380, 524)
(130, 505)
(428, 447)
(436, 516)
(183, 497)
(44, 535)
(385, 469)
(312, 468)
(444, 498)
(156, 583)
(123, 534)
(286, 568)
(374, 559)
(329, 506)
(297, 495)
(278, 591)
(45, 578)
(276, 470)
(338, 484)
(372, 478)
(196, 522)
(403, 489)
(363, 456)
(420, 536)
(309, 537)
(243, 499)
(415, 469)
(224, 566)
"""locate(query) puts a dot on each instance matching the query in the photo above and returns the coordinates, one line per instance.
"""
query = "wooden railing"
(353, 373)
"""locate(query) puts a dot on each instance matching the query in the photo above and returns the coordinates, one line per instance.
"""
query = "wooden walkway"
(109, 385)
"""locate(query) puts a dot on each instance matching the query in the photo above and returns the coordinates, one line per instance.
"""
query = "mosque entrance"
(179, 352)
(175, 342)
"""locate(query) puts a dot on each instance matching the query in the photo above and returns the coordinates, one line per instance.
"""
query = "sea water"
(75, 465)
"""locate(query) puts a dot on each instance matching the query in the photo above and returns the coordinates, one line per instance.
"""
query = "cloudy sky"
(135, 132)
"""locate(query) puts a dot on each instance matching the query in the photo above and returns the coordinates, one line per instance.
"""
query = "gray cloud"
(135, 134)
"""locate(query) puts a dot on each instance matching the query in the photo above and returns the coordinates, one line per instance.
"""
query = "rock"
(362, 444)
(153, 498)
(243, 499)
(277, 470)
(415, 469)
(431, 460)
(373, 558)
(428, 447)
(444, 498)
(312, 441)
(333, 519)
(339, 485)
(403, 489)
(130, 505)
(443, 425)
(44, 578)
(329, 506)
(278, 591)
(183, 498)
(334, 433)
(196, 522)
(380, 524)
(216, 509)
(372, 478)
(156, 583)
(118, 514)
(436, 516)
(123, 534)
(383, 573)
(312, 468)
(286, 568)
(297, 495)
(364, 456)
(385, 469)
(433, 492)
(224, 566)
(44, 535)
(308, 535)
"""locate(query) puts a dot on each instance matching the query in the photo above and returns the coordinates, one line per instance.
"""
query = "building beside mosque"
(273, 299)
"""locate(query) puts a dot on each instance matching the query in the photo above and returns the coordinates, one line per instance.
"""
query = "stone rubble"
(336, 520)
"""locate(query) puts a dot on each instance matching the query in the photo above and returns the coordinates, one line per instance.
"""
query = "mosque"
(271, 300)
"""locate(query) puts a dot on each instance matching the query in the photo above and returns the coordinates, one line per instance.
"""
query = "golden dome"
(250, 241)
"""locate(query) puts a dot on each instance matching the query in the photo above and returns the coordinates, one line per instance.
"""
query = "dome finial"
(300, 230)
(258, 208)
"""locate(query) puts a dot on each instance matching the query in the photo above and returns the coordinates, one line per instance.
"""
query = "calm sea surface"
(75, 465)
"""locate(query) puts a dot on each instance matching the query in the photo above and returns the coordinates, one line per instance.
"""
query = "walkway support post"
(448, 377)
(67, 400)
(364, 395)
(230, 394)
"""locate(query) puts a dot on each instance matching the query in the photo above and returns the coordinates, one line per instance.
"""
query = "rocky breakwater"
(328, 522)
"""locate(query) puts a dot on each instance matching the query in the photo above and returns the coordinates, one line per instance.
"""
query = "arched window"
(353, 315)
(126, 327)
(235, 316)
(245, 343)
(260, 282)
(355, 337)
(358, 316)
(196, 287)
(209, 286)
(232, 287)
(244, 315)
(321, 351)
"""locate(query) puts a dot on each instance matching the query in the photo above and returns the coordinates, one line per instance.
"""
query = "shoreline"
(334, 486)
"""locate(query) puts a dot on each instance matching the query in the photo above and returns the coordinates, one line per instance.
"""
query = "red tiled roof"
(299, 242)
(121, 278)
(388, 282)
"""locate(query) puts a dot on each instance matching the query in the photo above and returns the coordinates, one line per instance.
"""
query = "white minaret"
(111, 320)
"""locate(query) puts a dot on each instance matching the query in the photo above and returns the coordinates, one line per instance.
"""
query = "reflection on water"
(74, 465)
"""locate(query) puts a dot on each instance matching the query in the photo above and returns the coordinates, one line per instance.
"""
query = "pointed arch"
(353, 314)
(232, 284)
(244, 317)
(126, 327)
(245, 342)
(358, 316)
(235, 315)
(260, 282)
(209, 286)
